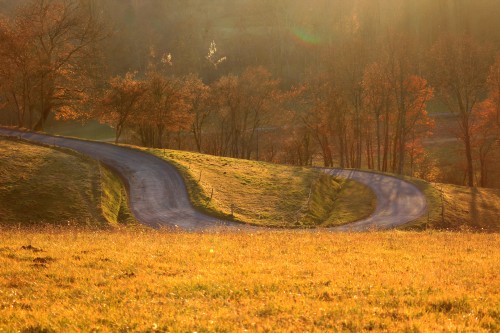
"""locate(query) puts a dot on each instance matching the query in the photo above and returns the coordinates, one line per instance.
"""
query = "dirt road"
(158, 196)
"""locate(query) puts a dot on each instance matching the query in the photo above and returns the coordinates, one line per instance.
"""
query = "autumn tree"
(50, 47)
(485, 138)
(17, 73)
(199, 97)
(396, 99)
(486, 124)
(323, 106)
(494, 87)
(399, 67)
(459, 67)
(378, 101)
(418, 125)
(244, 104)
(121, 102)
(164, 109)
(348, 66)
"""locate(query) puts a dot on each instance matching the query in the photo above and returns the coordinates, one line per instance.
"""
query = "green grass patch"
(281, 281)
(269, 194)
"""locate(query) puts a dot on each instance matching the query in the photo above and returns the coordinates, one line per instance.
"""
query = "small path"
(158, 196)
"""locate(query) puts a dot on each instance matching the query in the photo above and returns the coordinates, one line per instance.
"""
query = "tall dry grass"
(271, 281)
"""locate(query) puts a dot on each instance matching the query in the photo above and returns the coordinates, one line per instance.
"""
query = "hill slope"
(269, 194)
(40, 185)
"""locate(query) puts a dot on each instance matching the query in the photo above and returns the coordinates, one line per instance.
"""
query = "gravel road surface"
(158, 196)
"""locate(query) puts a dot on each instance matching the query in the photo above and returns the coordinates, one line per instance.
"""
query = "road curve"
(158, 196)
(398, 201)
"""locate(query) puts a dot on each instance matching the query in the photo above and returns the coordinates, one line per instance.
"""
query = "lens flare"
(305, 36)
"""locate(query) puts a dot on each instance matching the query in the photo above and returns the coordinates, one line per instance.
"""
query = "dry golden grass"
(269, 194)
(264, 282)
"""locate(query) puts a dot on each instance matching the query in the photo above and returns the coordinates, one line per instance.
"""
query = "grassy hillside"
(40, 185)
(269, 194)
(474, 208)
(263, 282)
(453, 207)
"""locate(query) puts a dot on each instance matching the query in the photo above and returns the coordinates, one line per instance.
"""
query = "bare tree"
(460, 65)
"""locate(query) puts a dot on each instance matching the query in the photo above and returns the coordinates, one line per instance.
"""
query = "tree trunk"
(468, 155)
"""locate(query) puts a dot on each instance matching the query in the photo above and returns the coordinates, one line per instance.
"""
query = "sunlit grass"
(270, 281)
(41, 185)
(464, 204)
(454, 207)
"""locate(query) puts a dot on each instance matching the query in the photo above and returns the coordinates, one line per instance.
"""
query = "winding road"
(158, 196)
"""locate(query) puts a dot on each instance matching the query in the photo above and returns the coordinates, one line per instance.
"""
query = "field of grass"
(269, 194)
(263, 282)
(40, 185)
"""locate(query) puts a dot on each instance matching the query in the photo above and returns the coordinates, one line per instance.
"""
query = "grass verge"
(263, 282)
(469, 208)
(269, 194)
(114, 199)
(41, 185)
(456, 208)
(453, 207)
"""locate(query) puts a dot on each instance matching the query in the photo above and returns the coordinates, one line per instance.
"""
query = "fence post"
(442, 204)
(210, 199)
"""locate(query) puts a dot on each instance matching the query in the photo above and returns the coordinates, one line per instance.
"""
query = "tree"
(377, 100)
(121, 102)
(399, 68)
(164, 108)
(324, 104)
(199, 97)
(486, 123)
(418, 125)
(51, 46)
(485, 138)
(17, 73)
(459, 67)
(396, 99)
(244, 104)
(494, 87)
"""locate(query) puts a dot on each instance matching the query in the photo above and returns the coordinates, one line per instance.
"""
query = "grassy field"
(40, 185)
(269, 194)
(262, 282)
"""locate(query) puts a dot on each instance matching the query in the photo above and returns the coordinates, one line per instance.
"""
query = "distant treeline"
(347, 83)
